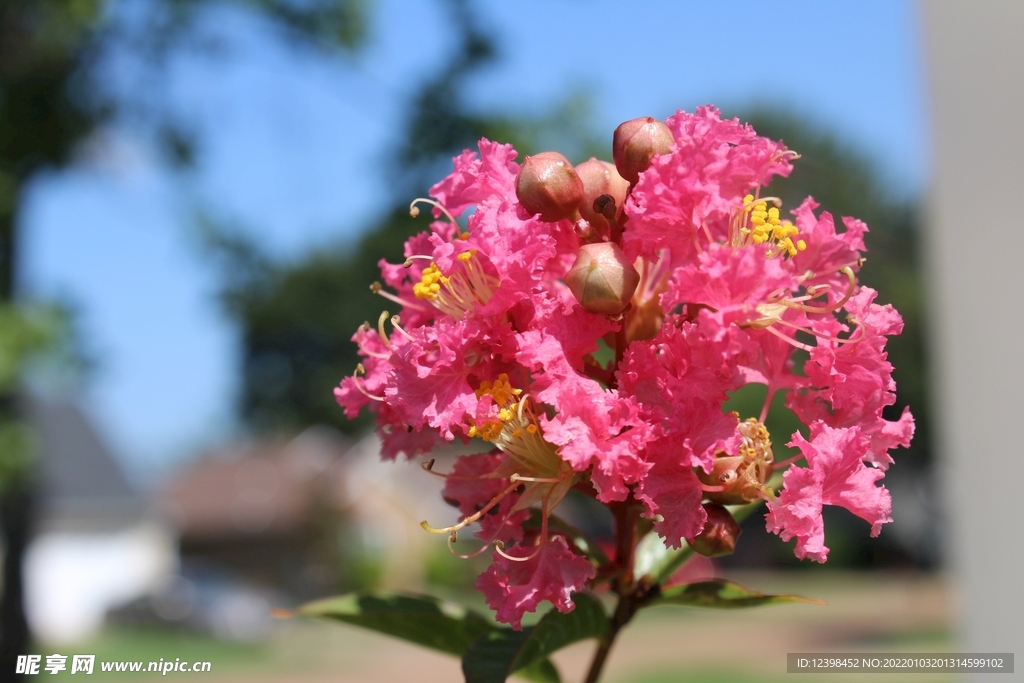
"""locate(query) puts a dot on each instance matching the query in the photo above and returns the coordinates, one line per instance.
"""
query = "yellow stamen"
(459, 292)
(757, 223)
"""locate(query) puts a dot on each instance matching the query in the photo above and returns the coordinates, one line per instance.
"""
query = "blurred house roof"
(82, 487)
(260, 487)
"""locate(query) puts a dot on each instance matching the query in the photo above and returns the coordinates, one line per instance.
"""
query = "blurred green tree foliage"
(297, 318)
(50, 102)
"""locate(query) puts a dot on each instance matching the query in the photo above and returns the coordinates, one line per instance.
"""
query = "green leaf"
(418, 619)
(723, 594)
(541, 672)
(491, 657)
(497, 655)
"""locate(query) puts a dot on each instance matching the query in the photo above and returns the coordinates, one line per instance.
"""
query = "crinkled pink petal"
(520, 251)
(680, 379)
(469, 487)
(854, 235)
(836, 475)
(672, 490)
(773, 364)
(553, 349)
(797, 513)
(475, 178)
(826, 250)
(591, 425)
(377, 365)
(880, 320)
(398, 438)
(599, 428)
(515, 588)
(732, 281)
(852, 382)
(431, 378)
(886, 435)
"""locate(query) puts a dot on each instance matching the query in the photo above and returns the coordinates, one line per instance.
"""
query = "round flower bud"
(638, 141)
(600, 178)
(547, 184)
(719, 535)
(602, 279)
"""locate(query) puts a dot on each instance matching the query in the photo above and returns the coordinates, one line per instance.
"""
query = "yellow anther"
(760, 223)
(459, 292)
(428, 287)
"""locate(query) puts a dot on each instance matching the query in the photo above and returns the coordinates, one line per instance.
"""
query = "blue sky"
(290, 141)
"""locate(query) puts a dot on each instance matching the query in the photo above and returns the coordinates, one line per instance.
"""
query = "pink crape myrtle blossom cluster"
(676, 266)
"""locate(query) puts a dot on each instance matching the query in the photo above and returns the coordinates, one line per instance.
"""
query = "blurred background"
(194, 196)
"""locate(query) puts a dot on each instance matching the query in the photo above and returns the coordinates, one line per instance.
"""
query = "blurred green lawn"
(866, 612)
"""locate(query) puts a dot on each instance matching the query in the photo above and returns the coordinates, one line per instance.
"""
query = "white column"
(974, 241)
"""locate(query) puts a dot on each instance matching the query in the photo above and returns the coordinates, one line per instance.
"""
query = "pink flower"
(735, 282)
(852, 382)
(593, 426)
(773, 363)
(478, 177)
(432, 374)
(827, 252)
(355, 393)
(671, 489)
(680, 379)
(837, 476)
(713, 164)
(552, 572)
(489, 342)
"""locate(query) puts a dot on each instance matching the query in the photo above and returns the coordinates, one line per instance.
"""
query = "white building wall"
(976, 289)
(73, 578)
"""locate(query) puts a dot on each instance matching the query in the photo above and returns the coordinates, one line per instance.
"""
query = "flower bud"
(719, 535)
(547, 184)
(638, 141)
(600, 178)
(602, 279)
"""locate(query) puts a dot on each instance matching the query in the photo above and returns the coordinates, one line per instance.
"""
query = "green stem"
(624, 611)
(631, 597)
